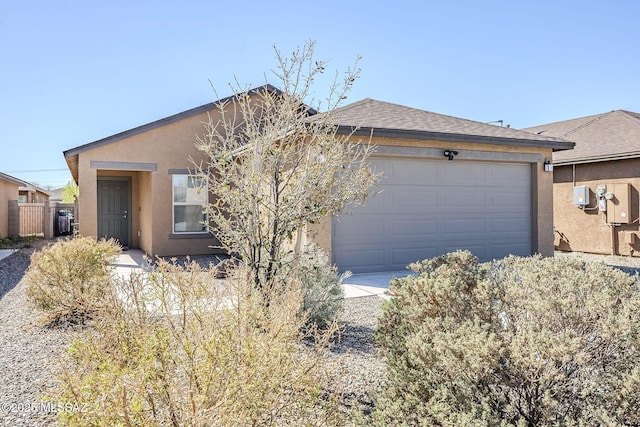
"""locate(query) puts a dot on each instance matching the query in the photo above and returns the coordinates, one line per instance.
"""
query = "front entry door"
(114, 210)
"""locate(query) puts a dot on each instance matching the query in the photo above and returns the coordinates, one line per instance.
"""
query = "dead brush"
(69, 279)
(179, 347)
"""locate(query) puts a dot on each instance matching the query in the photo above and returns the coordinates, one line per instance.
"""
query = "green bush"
(322, 290)
(68, 279)
(516, 342)
(179, 347)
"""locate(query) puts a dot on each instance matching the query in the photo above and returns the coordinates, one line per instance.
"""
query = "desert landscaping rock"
(30, 353)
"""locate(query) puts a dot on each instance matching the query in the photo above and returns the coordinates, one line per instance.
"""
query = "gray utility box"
(581, 195)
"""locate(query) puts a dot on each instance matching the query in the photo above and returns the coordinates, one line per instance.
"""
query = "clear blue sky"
(73, 72)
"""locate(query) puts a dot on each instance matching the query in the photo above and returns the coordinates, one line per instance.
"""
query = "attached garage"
(428, 207)
(448, 183)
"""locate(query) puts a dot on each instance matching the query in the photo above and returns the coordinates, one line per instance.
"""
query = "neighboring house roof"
(56, 194)
(609, 136)
(12, 179)
(22, 185)
(386, 119)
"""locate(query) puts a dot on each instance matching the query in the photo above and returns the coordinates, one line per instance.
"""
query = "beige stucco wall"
(542, 183)
(169, 147)
(587, 230)
(8, 191)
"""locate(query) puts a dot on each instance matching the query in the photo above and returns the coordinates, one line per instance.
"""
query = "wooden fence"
(27, 219)
(32, 219)
(48, 219)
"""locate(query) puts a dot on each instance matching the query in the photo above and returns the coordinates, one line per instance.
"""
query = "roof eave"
(454, 137)
(72, 164)
(597, 159)
(167, 120)
(12, 179)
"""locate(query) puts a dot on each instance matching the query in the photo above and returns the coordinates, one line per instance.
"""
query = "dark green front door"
(114, 210)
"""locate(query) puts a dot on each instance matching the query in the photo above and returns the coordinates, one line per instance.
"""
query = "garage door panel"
(375, 203)
(463, 199)
(470, 227)
(425, 228)
(413, 199)
(511, 199)
(400, 258)
(431, 207)
(504, 174)
(354, 232)
(509, 225)
(362, 261)
(462, 173)
(406, 173)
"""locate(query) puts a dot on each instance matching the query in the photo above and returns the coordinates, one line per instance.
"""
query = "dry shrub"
(180, 347)
(322, 291)
(517, 342)
(68, 279)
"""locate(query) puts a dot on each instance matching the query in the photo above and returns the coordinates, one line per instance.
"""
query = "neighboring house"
(9, 190)
(596, 185)
(493, 197)
(29, 193)
(55, 195)
(12, 189)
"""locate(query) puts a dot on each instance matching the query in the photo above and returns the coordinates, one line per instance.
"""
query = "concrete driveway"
(358, 285)
(368, 284)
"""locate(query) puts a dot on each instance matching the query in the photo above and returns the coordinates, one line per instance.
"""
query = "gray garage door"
(431, 207)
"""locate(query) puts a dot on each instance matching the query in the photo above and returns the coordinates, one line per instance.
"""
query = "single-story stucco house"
(448, 183)
(596, 185)
(9, 190)
(14, 189)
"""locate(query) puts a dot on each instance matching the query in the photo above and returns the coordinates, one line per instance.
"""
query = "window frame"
(189, 176)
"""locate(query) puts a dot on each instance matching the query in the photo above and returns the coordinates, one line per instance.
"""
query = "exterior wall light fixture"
(450, 154)
(548, 166)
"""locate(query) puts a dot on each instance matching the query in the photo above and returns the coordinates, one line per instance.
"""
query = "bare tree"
(275, 166)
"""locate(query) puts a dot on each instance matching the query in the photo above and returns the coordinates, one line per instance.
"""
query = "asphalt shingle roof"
(607, 136)
(383, 118)
(388, 119)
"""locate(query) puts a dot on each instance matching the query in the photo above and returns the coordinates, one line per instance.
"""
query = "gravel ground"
(355, 360)
(630, 265)
(29, 352)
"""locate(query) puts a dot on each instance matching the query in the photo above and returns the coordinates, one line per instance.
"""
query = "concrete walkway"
(6, 252)
(358, 285)
(130, 260)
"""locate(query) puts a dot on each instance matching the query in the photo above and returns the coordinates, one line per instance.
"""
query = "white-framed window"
(189, 195)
